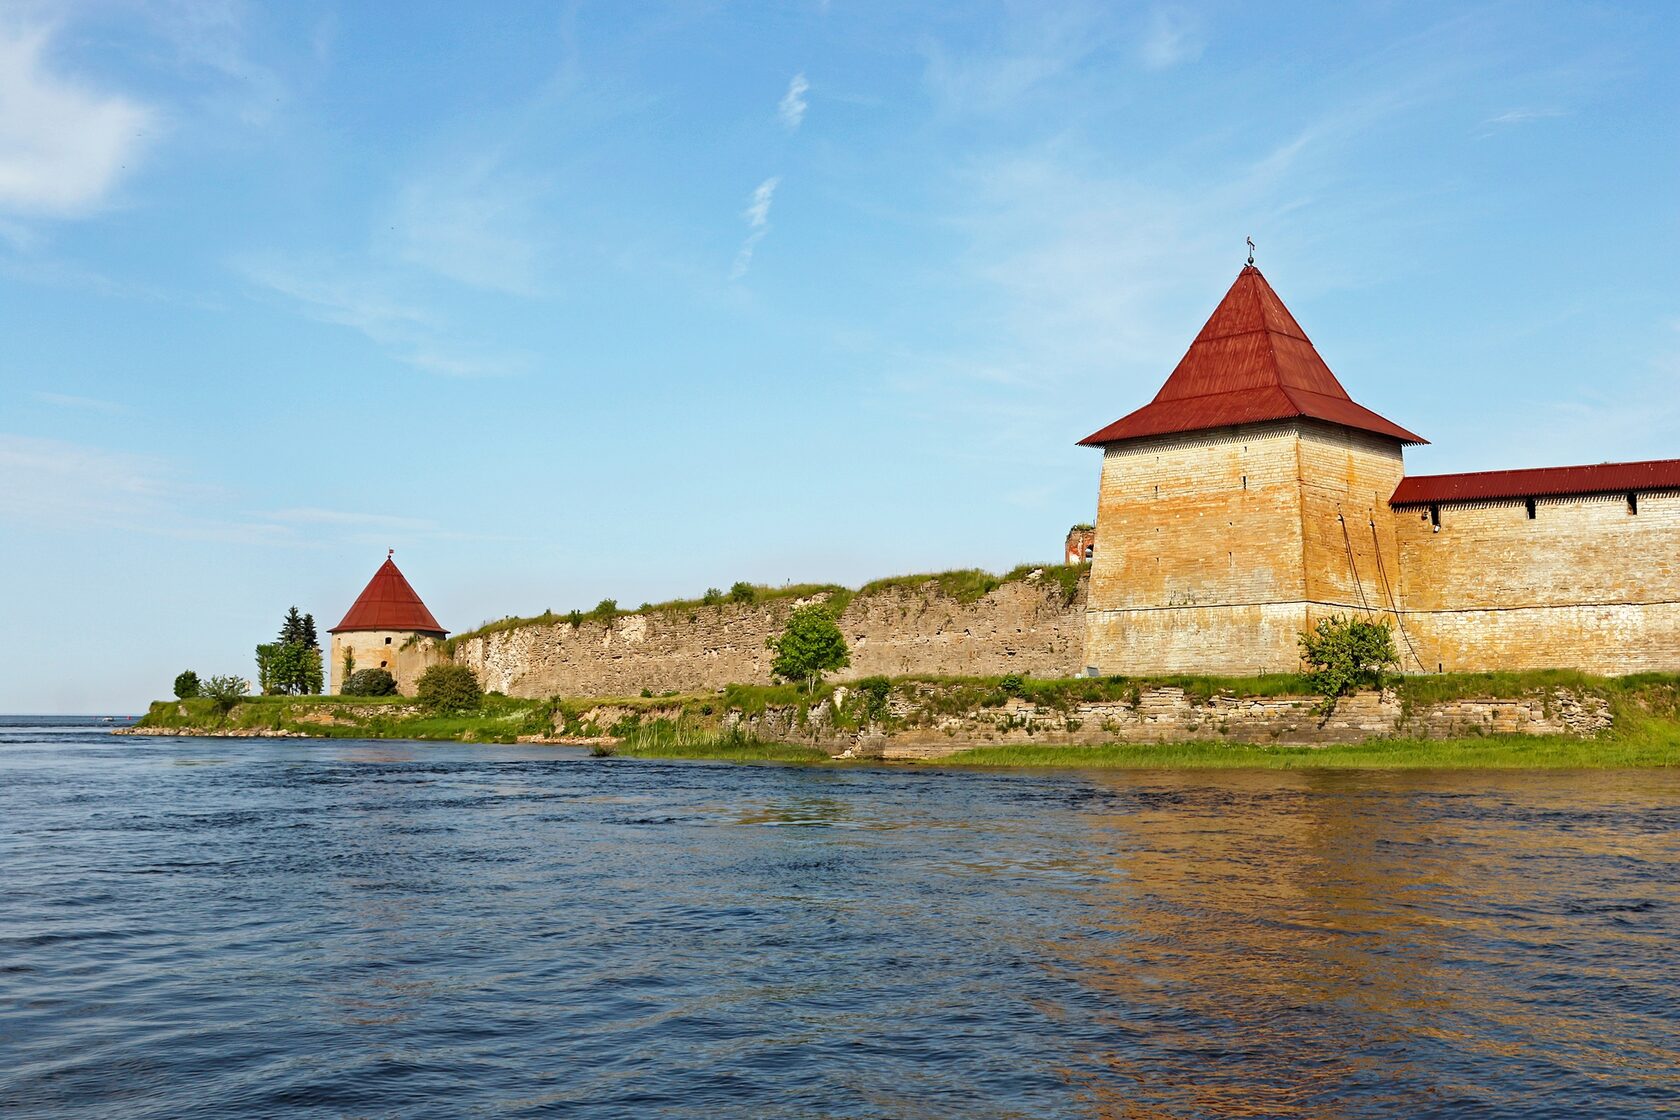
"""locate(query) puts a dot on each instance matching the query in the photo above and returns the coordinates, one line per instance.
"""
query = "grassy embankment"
(965, 585)
(1646, 733)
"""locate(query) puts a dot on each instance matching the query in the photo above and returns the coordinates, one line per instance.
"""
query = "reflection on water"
(332, 929)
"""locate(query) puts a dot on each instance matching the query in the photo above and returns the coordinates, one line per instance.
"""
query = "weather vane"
(1250, 241)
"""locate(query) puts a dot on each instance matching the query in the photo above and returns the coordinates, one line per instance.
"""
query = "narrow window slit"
(1529, 505)
(1633, 502)
(1435, 519)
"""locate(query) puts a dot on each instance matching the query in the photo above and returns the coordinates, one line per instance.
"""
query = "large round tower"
(389, 628)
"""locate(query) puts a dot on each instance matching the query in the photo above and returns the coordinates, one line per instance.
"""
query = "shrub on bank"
(449, 688)
(187, 686)
(370, 682)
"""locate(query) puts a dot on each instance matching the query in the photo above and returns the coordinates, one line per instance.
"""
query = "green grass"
(681, 739)
(1653, 748)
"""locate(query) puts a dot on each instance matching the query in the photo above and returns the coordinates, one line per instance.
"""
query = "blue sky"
(573, 301)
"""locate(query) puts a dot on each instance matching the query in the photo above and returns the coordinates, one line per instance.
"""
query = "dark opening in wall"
(1633, 502)
(1529, 505)
(1245, 482)
(1435, 519)
(387, 641)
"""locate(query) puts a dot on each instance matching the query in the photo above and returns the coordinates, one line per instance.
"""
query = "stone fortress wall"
(1590, 583)
(1025, 626)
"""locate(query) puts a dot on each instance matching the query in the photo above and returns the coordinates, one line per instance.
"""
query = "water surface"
(223, 928)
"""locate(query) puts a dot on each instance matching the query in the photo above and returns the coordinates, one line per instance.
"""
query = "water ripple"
(225, 929)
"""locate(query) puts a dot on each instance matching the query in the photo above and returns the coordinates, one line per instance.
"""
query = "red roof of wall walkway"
(1541, 482)
(389, 603)
(1251, 362)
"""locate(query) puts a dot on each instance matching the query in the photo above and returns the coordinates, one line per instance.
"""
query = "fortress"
(1252, 496)
(1249, 499)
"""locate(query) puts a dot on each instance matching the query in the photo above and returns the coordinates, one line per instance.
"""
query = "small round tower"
(389, 628)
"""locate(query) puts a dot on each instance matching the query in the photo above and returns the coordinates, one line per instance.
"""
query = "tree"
(310, 637)
(370, 682)
(449, 688)
(743, 592)
(226, 691)
(1343, 653)
(291, 630)
(348, 669)
(809, 646)
(288, 669)
(187, 686)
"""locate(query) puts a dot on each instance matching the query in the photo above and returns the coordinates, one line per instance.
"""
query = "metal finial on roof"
(390, 552)
(1250, 241)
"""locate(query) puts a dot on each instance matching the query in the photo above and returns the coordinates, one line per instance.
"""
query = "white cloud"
(63, 146)
(1521, 116)
(474, 224)
(1033, 50)
(792, 107)
(1173, 37)
(757, 215)
(409, 333)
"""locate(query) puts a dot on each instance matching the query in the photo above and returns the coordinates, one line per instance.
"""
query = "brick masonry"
(1215, 549)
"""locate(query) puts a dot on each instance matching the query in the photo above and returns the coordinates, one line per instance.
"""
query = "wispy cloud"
(209, 37)
(367, 303)
(1519, 116)
(757, 215)
(1032, 51)
(52, 483)
(353, 520)
(474, 223)
(86, 404)
(63, 146)
(1173, 36)
(791, 109)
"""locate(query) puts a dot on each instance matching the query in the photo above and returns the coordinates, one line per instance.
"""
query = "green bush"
(1343, 653)
(187, 686)
(449, 688)
(876, 691)
(370, 682)
(711, 598)
(1012, 685)
(225, 691)
(743, 592)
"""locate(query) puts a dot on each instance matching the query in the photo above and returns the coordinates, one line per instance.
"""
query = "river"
(220, 928)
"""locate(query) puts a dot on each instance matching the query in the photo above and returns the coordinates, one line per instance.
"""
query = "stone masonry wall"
(1167, 715)
(1024, 626)
(1585, 584)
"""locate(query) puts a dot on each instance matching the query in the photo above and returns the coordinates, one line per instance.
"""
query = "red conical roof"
(389, 603)
(1251, 362)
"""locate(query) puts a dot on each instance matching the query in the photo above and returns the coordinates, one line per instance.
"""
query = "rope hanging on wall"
(1352, 567)
(1399, 623)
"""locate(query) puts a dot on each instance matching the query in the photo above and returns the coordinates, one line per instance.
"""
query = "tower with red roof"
(1253, 496)
(387, 627)
(1232, 502)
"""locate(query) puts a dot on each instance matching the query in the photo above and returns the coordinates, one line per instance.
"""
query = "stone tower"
(1249, 498)
(389, 628)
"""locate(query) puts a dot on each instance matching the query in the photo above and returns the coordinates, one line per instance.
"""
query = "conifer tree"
(310, 637)
(291, 630)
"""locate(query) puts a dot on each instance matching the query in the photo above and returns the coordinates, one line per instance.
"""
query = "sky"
(573, 301)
